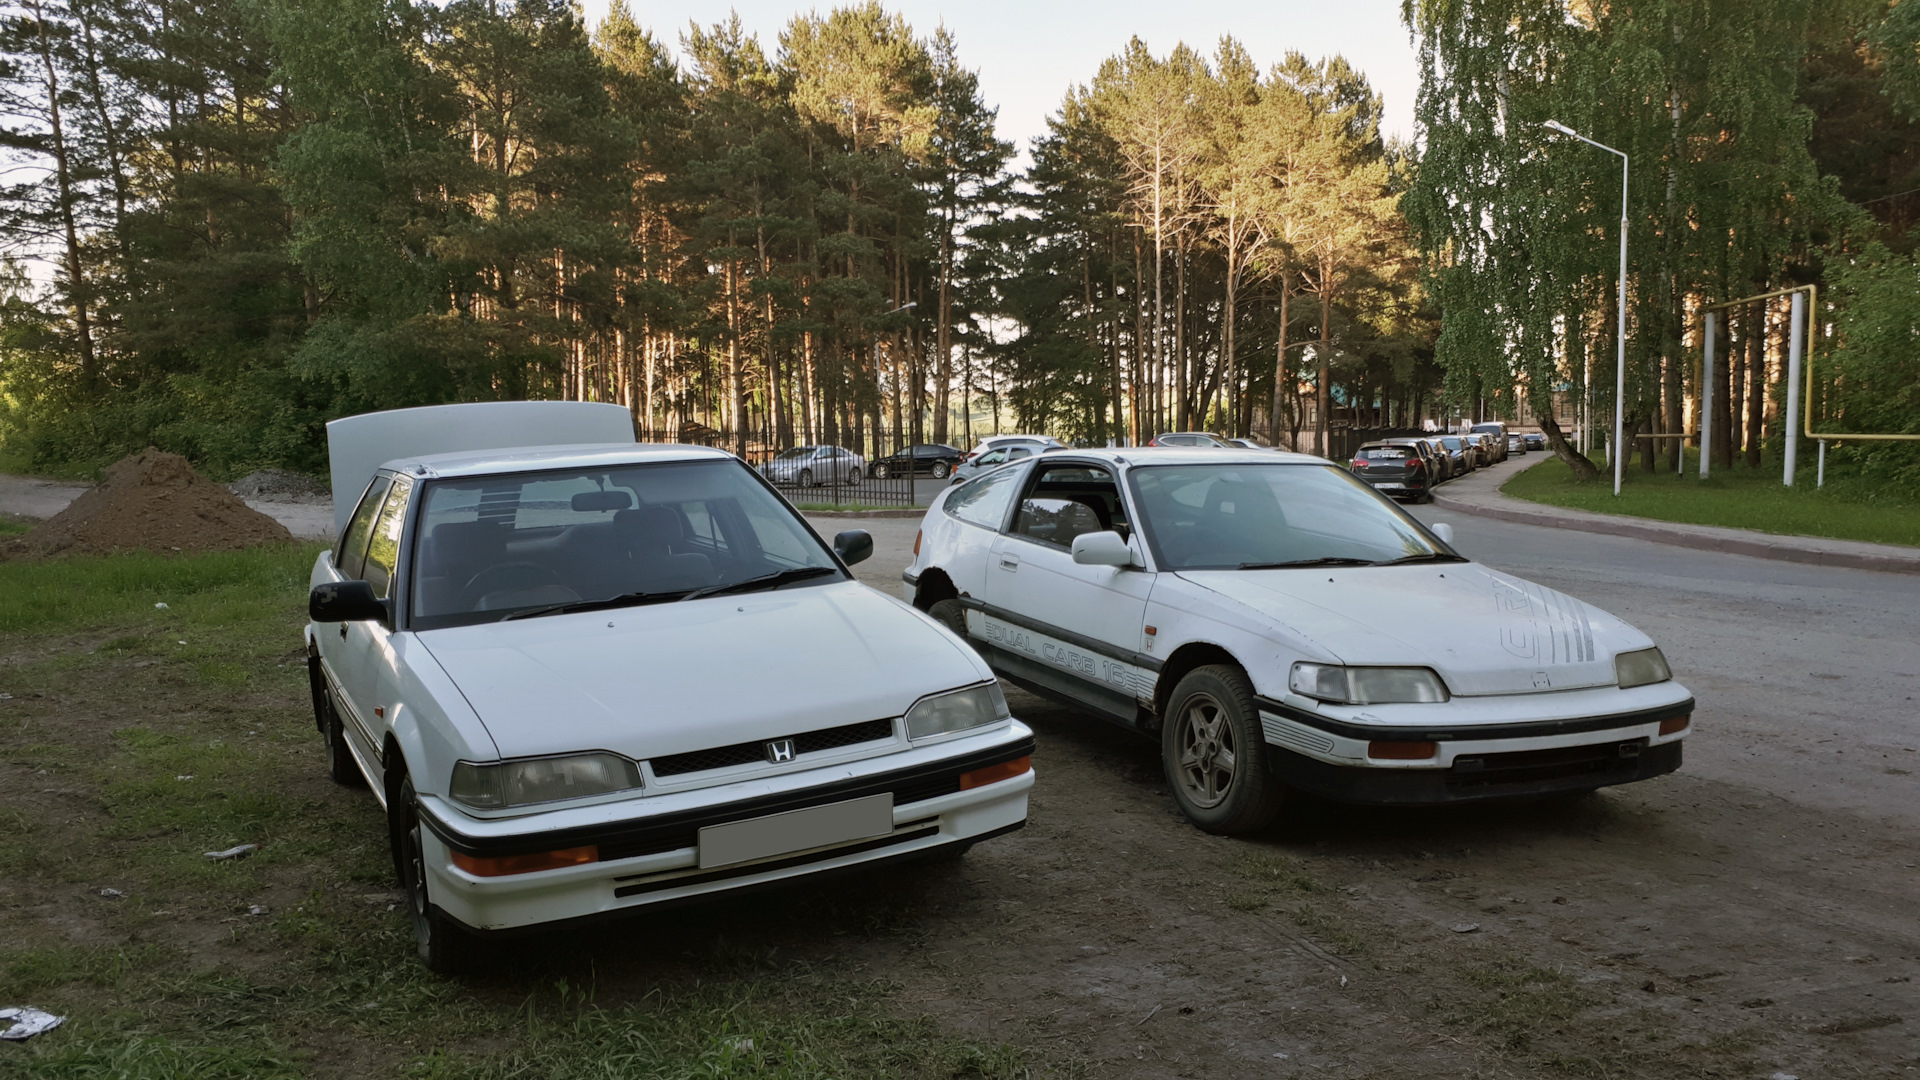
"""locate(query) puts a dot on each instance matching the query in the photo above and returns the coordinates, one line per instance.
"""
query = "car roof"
(1136, 456)
(541, 458)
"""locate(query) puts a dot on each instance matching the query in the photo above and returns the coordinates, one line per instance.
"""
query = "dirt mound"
(279, 485)
(152, 501)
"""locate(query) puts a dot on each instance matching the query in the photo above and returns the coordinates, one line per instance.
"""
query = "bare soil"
(151, 501)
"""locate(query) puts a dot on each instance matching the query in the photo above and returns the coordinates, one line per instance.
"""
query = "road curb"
(1696, 538)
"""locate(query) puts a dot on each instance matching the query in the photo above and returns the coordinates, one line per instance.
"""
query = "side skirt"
(1057, 685)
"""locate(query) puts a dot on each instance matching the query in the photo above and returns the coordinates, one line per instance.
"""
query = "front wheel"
(879, 472)
(853, 476)
(445, 948)
(1215, 755)
(940, 470)
(950, 614)
(806, 477)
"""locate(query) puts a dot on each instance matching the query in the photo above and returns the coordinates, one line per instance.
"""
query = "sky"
(1029, 53)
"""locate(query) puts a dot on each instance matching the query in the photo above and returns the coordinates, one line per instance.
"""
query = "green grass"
(10, 527)
(135, 738)
(1740, 498)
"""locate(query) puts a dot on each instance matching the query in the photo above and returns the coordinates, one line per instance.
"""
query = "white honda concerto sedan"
(587, 679)
(1270, 619)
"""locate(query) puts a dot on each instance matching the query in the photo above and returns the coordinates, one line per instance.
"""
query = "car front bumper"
(1484, 748)
(649, 848)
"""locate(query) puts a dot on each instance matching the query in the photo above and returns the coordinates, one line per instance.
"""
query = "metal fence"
(828, 477)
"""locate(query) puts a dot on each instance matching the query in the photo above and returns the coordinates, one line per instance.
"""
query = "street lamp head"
(1555, 125)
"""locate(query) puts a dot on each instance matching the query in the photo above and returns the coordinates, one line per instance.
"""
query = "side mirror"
(345, 601)
(1444, 531)
(1101, 549)
(853, 546)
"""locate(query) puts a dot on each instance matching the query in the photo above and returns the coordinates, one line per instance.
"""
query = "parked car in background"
(1394, 470)
(934, 459)
(811, 466)
(1190, 438)
(1439, 463)
(563, 672)
(991, 441)
(1536, 440)
(998, 456)
(1263, 618)
(1483, 446)
(1498, 431)
(1465, 455)
(1516, 444)
(1250, 444)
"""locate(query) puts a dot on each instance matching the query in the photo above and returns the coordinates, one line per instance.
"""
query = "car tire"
(806, 477)
(1212, 712)
(853, 476)
(445, 947)
(950, 614)
(879, 472)
(940, 470)
(341, 767)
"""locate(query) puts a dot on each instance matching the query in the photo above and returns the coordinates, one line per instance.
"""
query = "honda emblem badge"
(780, 750)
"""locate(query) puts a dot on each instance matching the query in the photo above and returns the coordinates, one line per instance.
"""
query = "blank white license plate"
(1394, 487)
(796, 830)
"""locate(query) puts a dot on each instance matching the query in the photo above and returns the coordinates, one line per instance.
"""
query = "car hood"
(675, 677)
(1485, 632)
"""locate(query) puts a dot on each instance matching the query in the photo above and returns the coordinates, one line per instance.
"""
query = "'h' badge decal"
(780, 750)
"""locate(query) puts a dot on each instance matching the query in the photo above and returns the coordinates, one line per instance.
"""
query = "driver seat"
(651, 536)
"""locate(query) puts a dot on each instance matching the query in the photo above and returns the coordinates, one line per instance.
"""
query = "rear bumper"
(647, 860)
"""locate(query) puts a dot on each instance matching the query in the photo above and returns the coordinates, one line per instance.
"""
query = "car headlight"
(1366, 685)
(1641, 668)
(957, 710)
(503, 784)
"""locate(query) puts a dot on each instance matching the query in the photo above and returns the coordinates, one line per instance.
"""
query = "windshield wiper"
(1329, 560)
(1430, 556)
(632, 599)
(764, 581)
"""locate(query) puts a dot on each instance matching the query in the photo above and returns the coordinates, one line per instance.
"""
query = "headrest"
(650, 527)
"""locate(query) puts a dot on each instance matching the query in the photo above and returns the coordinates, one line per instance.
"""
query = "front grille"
(1557, 763)
(720, 757)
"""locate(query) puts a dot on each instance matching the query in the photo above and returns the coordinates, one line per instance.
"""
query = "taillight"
(1415, 463)
(1358, 464)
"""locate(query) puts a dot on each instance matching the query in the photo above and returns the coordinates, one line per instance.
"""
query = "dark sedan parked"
(934, 459)
(1393, 470)
(1466, 455)
(1536, 440)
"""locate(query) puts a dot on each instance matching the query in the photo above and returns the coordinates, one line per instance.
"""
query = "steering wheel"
(511, 575)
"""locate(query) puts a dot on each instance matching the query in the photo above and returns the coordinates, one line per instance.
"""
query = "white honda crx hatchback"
(585, 679)
(1271, 620)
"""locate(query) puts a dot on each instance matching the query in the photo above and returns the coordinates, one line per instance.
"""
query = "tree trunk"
(1281, 384)
(1756, 380)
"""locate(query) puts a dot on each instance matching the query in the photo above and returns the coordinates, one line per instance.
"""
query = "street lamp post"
(1620, 373)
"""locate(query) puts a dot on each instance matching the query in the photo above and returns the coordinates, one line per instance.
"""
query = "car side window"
(1066, 501)
(984, 501)
(383, 547)
(351, 555)
(991, 457)
(1019, 452)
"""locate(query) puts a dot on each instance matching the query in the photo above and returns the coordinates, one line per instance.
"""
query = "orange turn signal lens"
(1402, 751)
(916, 541)
(502, 865)
(1675, 724)
(993, 774)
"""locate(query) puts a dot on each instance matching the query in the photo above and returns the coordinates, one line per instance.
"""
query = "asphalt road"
(1806, 675)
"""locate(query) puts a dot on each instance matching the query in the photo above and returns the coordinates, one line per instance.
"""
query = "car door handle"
(1009, 562)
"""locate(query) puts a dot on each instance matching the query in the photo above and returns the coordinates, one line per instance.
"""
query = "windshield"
(491, 546)
(1215, 517)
